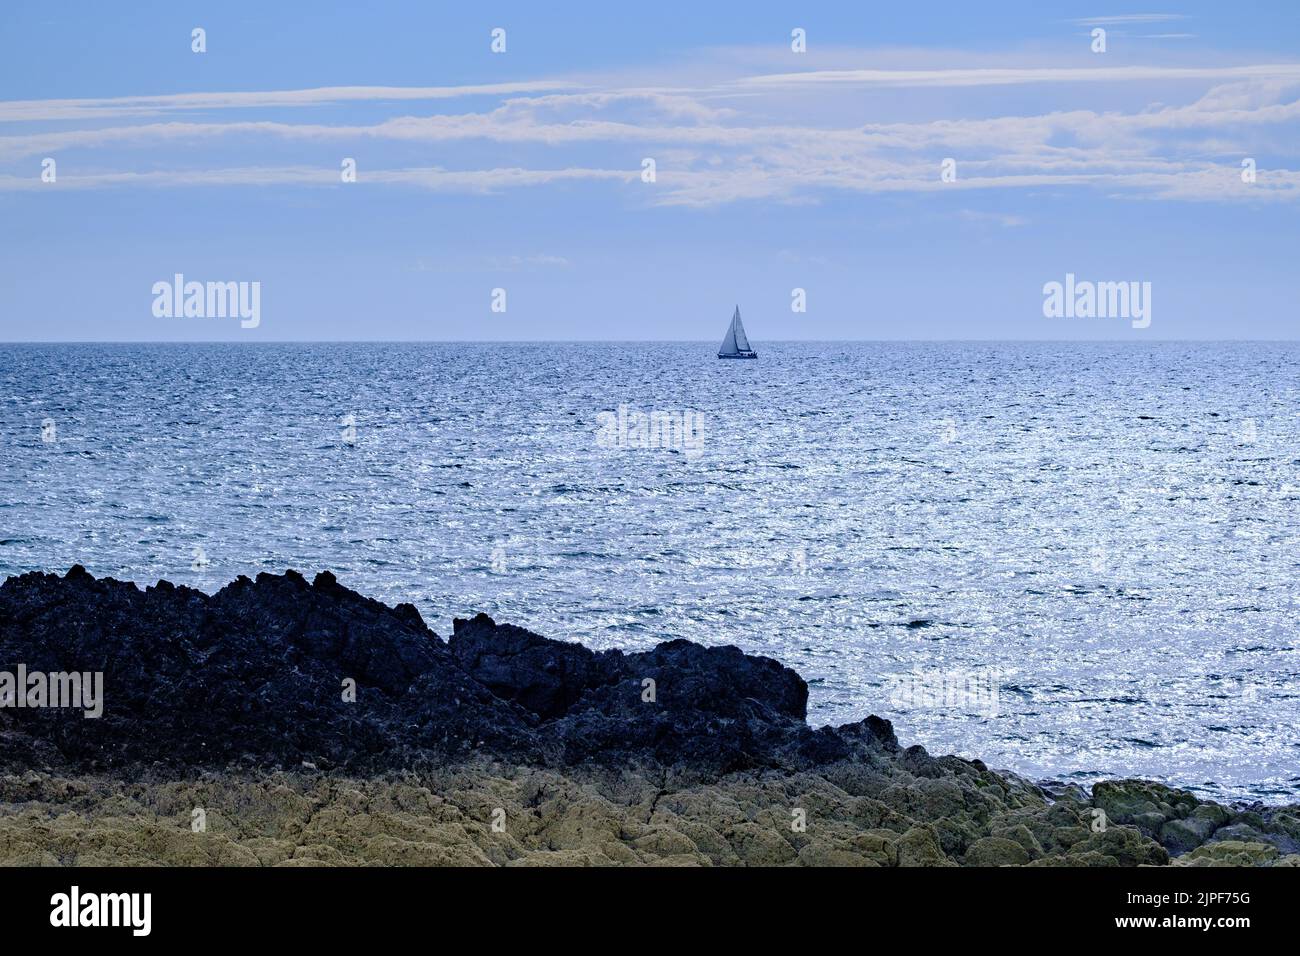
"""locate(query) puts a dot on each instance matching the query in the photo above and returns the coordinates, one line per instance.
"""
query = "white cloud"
(1005, 220)
(126, 106)
(1012, 76)
(473, 180)
(1129, 18)
(782, 139)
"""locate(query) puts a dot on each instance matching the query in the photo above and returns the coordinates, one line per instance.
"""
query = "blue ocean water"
(1101, 536)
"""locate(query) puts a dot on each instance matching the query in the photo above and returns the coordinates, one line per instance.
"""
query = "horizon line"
(834, 341)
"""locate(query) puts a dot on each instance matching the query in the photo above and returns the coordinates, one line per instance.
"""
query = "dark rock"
(255, 676)
(546, 677)
(1181, 835)
(915, 760)
(261, 676)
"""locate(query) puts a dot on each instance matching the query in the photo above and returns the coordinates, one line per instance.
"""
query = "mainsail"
(735, 340)
(738, 333)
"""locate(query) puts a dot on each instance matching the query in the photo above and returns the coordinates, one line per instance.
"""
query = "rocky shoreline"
(303, 723)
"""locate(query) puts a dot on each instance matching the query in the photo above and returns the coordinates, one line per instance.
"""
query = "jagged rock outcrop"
(255, 676)
(236, 703)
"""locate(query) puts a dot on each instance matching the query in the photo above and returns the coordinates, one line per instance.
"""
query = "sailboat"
(735, 344)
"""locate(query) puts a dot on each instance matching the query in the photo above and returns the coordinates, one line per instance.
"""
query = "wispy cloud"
(128, 106)
(767, 136)
(433, 178)
(1011, 76)
(533, 262)
(1129, 18)
(1005, 220)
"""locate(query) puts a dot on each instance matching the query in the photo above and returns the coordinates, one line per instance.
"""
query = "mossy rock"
(759, 845)
(1240, 833)
(1230, 853)
(1066, 837)
(1142, 803)
(1125, 845)
(919, 846)
(1024, 836)
(1088, 859)
(818, 855)
(665, 841)
(859, 815)
(996, 851)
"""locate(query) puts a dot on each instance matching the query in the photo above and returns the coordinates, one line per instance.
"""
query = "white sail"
(728, 346)
(738, 333)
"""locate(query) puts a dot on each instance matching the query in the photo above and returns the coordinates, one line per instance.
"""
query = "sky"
(775, 170)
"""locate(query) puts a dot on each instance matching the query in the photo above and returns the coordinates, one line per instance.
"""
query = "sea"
(1072, 561)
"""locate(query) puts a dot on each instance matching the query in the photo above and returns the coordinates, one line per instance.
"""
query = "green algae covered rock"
(859, 813)
(1141, 803)
(1230, 853)
(996, 851)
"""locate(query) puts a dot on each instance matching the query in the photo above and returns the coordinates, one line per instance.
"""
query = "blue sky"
(775, 170)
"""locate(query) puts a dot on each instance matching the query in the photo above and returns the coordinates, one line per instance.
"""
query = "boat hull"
(737, 355)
